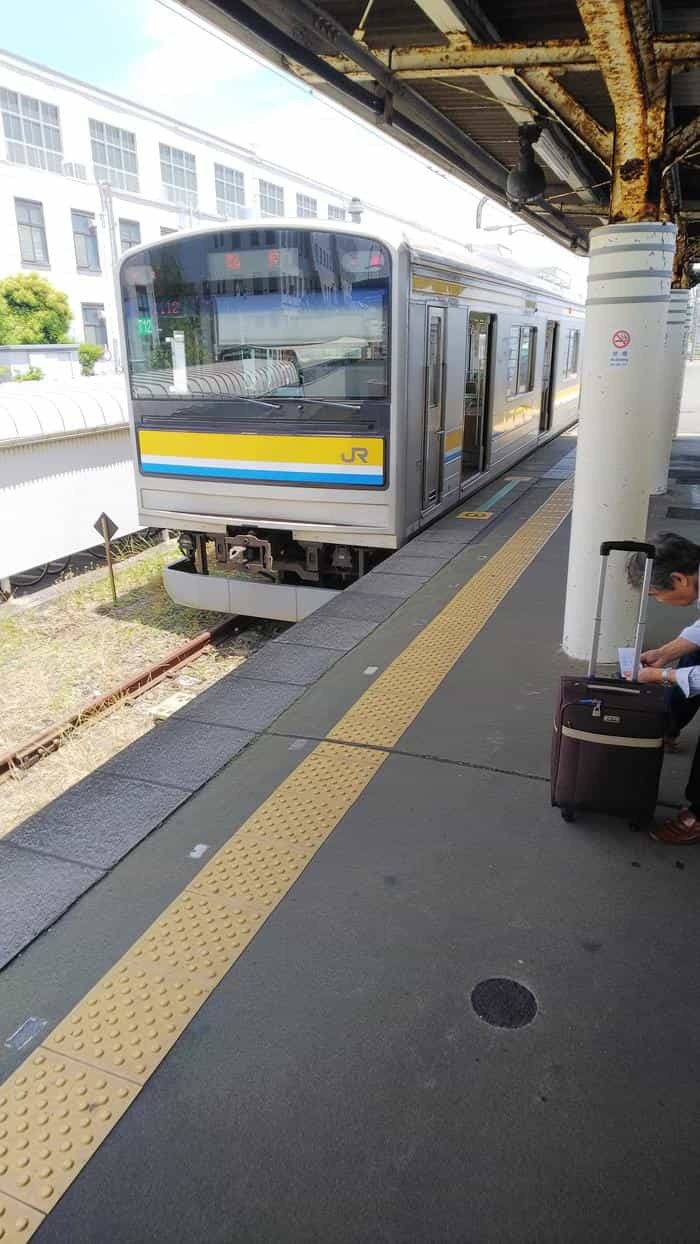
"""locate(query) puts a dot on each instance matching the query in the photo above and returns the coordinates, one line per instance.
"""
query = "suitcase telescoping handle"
(623, 546)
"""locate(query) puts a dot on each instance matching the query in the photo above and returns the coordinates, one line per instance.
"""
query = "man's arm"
(656, 658)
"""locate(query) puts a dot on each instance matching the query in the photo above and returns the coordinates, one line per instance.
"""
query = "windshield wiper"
(328, 401)
(258, 402)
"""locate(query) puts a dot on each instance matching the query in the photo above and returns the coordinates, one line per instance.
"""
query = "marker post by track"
(105, 527)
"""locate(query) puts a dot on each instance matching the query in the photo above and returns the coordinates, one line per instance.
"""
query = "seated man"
(674, 581)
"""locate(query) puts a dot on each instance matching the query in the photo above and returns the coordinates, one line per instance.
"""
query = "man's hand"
(655, 658)
(651, 675)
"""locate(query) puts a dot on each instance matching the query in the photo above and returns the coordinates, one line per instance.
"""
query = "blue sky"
(163, 56)
(107, 44)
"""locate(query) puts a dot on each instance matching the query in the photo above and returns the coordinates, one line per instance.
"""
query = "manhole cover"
(504, 1003)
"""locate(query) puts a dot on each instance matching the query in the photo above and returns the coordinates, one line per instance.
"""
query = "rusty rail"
(27, 754)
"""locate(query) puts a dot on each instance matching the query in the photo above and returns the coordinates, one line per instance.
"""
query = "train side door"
(434, 408)
(550, 341)
(476, 393)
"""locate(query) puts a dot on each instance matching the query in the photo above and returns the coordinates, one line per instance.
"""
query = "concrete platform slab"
(288, 663)
(341, 634)
(378, 584)
(246, 703)
(180, 752)
(373, 608)
(36, 890)
(413, 565)
(96, 822)
(433, 546)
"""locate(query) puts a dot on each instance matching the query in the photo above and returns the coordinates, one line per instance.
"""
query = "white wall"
(59, 194)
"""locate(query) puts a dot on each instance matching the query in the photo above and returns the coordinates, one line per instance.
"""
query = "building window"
(94, 326)
(271, 199)
(114, 156)
(572, 352)
(306, 206)
(230, 191)
(87, 255)
(32, 130)
(521, 360)
(335, 213)
(129, 233)
(178, 172)
(32, 233)
(164, 232)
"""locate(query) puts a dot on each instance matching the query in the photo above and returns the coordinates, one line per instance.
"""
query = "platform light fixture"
(526, 182)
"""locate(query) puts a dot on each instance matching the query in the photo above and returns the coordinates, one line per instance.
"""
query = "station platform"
(254, 1019)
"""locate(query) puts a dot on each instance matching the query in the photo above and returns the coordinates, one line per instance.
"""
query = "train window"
(435, 361)
(521, 360)
(572, 352)
(290, 313)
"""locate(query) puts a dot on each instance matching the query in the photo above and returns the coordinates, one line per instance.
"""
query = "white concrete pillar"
(688, 351)
(672, 372)
(628, 289)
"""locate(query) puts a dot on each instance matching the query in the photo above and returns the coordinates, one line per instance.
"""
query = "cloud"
(189, 72)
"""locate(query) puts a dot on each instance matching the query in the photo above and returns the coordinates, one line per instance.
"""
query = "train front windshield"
(255, 314)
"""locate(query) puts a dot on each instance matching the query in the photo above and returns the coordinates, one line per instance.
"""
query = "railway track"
(21, 758)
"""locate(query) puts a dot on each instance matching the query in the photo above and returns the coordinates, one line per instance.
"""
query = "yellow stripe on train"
(255, 447)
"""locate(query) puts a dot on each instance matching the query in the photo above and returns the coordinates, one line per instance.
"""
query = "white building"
(85, 174)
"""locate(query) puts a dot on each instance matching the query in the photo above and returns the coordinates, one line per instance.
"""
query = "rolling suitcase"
(607, 748)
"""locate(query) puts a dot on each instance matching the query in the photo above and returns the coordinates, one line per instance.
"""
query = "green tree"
(32, 312)
(88, 355)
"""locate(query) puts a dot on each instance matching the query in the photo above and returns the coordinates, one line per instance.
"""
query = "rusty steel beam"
(575, 210)
(571, 113)
(639, 17)
(682, 140)
(554, 149)
(636, 184)
(461, 57)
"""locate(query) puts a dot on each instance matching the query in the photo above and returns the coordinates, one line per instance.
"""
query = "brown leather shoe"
(681, 831)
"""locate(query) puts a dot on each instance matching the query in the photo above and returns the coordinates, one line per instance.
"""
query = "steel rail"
(49, 740)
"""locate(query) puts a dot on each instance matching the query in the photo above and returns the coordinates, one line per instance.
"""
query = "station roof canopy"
(457, 79)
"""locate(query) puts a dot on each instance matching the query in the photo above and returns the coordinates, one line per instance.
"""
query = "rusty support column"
(620, 35)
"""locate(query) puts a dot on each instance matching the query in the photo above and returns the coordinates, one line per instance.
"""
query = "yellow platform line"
(65, 1098)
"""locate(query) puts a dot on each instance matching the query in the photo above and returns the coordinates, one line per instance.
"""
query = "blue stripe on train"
(293, 477)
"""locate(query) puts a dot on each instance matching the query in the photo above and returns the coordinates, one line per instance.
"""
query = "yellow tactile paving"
(393, 701)
(65, 1098)
(54, 1113)
(197, 936)
(129, 1021)
(17, 1221)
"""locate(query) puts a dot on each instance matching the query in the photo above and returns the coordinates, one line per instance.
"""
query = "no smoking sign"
(621, 339)
(620, 355)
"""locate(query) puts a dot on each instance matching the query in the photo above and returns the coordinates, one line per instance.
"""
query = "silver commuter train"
(304, 399)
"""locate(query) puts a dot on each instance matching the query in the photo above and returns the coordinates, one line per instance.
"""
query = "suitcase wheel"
(568, 814)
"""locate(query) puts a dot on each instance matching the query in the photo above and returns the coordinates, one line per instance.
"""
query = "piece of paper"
(625, 657)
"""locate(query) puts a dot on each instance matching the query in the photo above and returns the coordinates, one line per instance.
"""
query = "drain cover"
(504, 1003)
